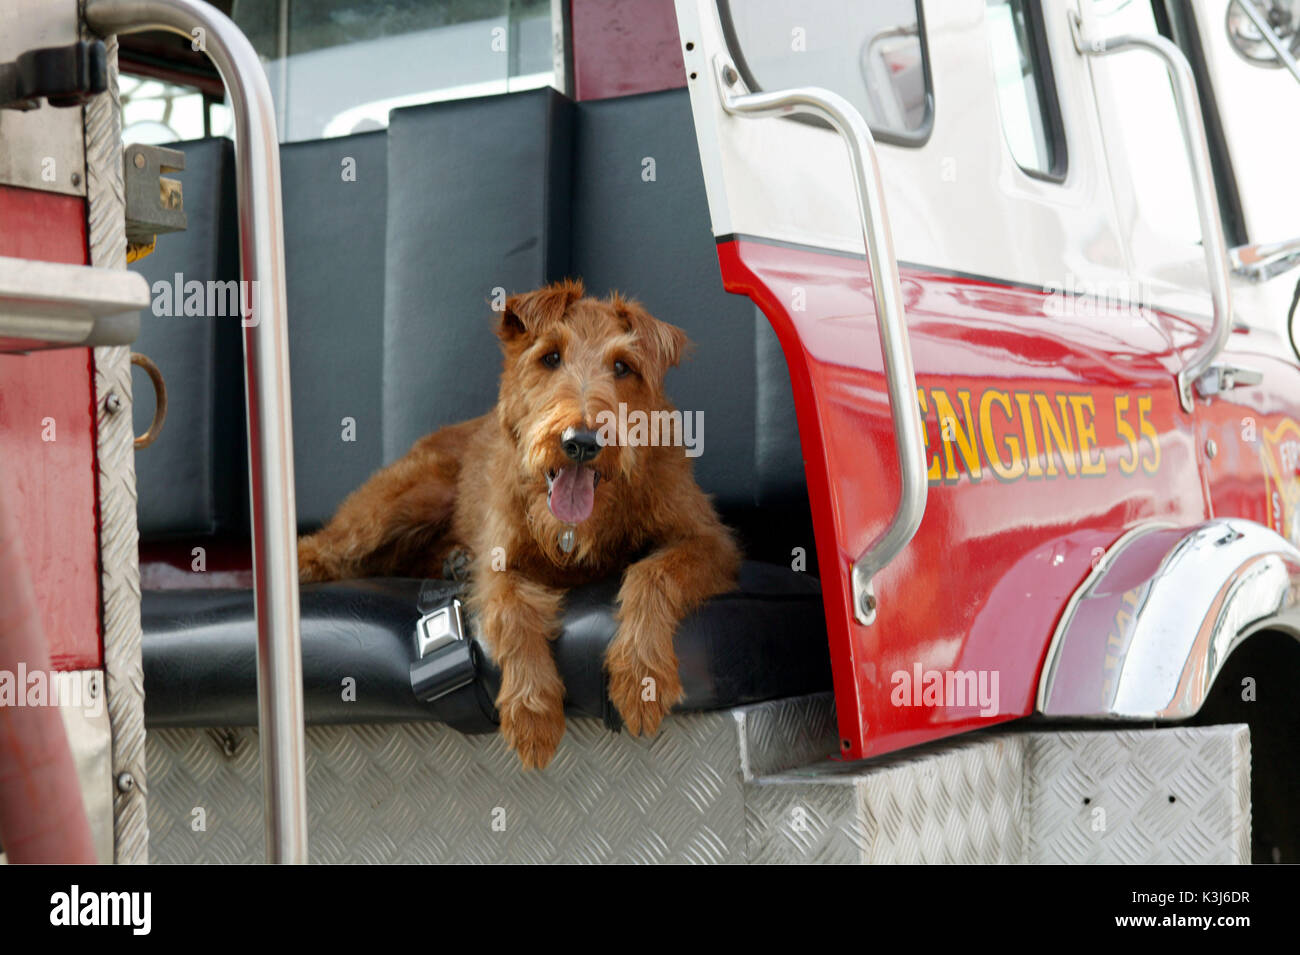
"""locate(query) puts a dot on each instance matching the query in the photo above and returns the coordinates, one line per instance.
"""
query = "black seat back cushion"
(335, 195)
(650, 238)
(193, 480)
(478, 199)
(395, 242)
(641, 225)
(764, 640)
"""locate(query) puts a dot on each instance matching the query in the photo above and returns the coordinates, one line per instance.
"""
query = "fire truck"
(993, 304)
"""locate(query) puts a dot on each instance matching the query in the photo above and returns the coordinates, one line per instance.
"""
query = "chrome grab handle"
(266, 380)
(1188, 103)
(1262, 261)
(909, 443)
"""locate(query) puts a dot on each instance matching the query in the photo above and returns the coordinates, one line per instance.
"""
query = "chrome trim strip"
(1138, 641)
(1188, 102)
(266, 374)
(882, 264)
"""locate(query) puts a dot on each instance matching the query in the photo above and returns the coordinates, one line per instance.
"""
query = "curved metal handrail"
(266, 378)
(900, 378)
(1188, 103)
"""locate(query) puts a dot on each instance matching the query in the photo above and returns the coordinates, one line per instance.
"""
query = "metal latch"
(62, 75)
(154, 204)
(1222, 377)
(447, 660)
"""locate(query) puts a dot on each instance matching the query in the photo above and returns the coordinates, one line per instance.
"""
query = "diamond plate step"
(716, 787)
(1174, 795)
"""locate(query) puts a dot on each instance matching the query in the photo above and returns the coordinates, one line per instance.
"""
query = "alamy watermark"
(950, 689)
(69, 689)
(87, 908)
(182, 298)
(639, 429)
(1083, 299)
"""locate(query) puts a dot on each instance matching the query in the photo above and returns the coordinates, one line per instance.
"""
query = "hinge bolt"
(1211, 449)
(125, 782)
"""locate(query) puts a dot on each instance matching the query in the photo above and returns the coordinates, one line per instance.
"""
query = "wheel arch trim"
(1149, 630)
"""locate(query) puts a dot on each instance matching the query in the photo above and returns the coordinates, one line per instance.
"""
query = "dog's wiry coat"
(484, 486)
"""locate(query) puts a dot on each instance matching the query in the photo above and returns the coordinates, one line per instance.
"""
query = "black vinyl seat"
(397, 242)
(764, 640)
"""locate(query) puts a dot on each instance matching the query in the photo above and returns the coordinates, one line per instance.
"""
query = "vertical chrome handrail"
(900, 378)
(266, 380)
(1188, 103)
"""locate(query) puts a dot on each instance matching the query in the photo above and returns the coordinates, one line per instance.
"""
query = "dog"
(542, 501)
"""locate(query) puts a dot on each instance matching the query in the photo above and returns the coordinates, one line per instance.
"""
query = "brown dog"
(543, 502)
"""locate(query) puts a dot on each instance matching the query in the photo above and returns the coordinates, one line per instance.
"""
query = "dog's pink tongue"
(573, 494)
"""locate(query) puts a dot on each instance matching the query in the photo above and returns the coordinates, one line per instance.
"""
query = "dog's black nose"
(580, 446)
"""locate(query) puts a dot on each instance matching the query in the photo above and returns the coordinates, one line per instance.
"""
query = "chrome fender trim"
(1147, 633)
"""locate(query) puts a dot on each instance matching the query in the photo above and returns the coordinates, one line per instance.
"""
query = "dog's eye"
(621, 369)
(551, 359)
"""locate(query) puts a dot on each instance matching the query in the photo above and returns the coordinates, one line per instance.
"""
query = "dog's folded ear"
(526, 314)
(666, 344)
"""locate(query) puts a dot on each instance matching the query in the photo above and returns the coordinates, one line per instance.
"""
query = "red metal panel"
(42, 225)
(47, 442)
(42, 819)
(1255, 470)
(622, 48)
(1048, 435)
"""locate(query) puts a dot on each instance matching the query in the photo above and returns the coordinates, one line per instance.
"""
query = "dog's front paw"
(312, 563)
(532, 728)
(643, 688)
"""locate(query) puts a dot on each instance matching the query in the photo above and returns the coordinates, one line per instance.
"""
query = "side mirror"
(1266, 32)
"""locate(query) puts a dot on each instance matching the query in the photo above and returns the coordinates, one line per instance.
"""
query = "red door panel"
(1048, 435)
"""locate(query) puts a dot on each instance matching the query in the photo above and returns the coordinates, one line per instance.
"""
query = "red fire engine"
(994, 305)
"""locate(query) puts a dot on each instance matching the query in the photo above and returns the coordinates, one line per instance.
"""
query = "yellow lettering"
(1129, 465)
(933, 473)
(1008, 472)
(964, 438)
(1031, 441)
(1151, 464)
(1087, 431)
(1056, 431)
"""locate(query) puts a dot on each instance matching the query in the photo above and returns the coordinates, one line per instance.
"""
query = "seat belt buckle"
(446, 660)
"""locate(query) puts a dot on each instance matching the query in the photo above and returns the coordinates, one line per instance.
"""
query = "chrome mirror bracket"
(1261, 262)
(1267, 34)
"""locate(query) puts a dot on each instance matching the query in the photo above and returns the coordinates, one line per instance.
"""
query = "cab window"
(1031, 118)
(873, 54)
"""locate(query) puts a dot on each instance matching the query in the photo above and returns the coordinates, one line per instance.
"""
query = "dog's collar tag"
(566, 540)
